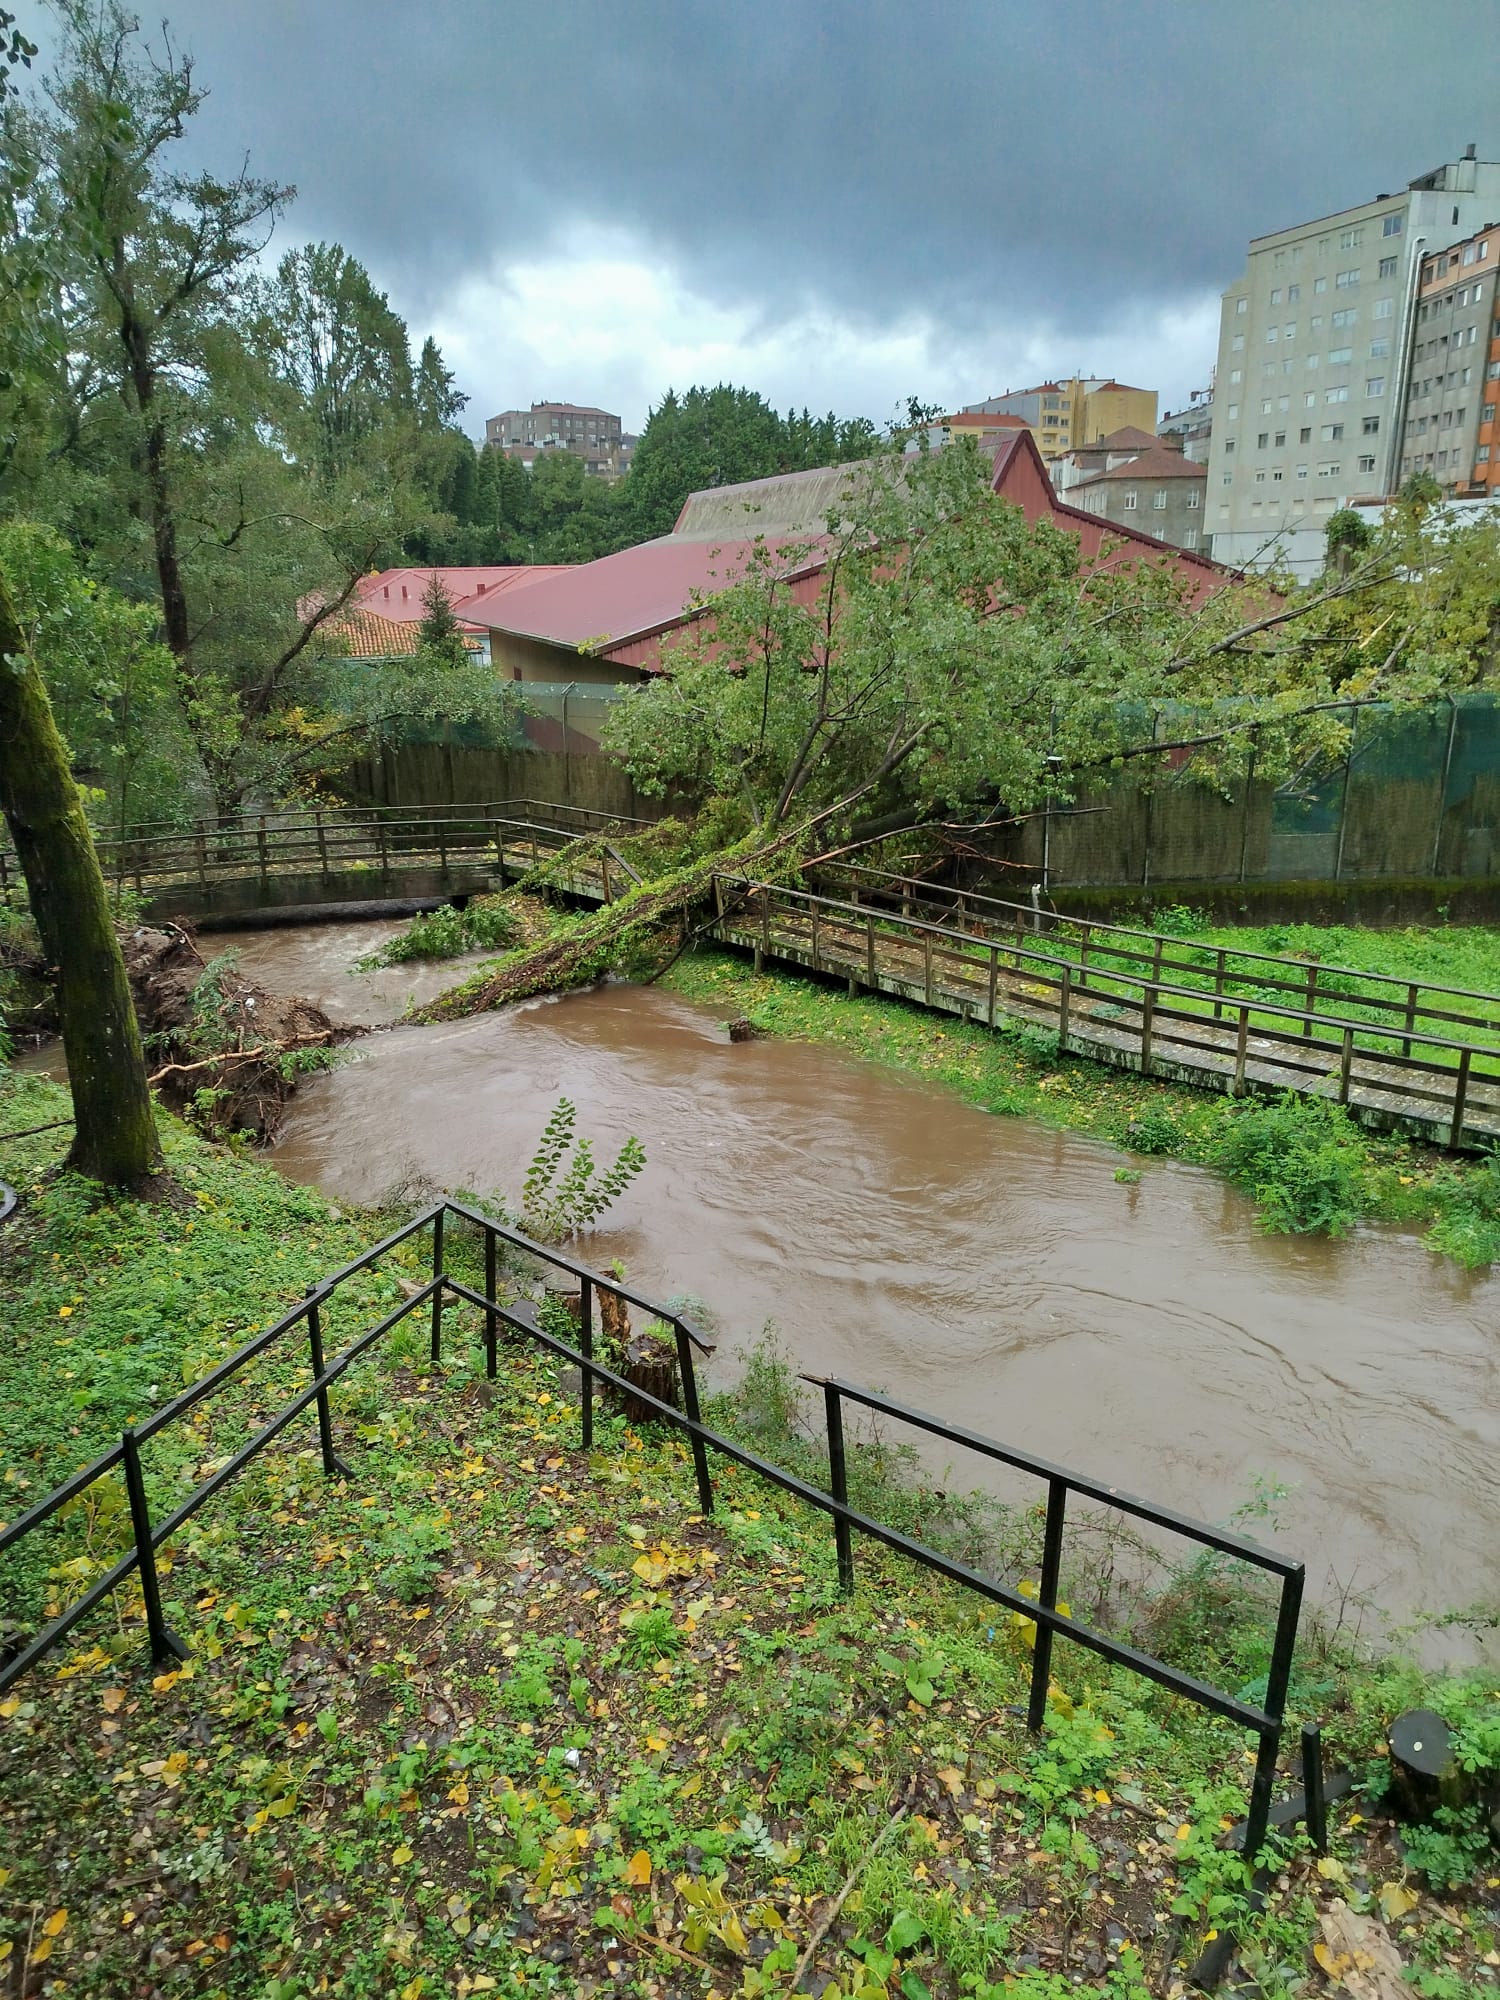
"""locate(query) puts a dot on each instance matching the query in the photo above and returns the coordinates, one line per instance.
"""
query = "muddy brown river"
(985, 1268)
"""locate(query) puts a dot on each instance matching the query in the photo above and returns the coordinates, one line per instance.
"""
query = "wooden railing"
(1449, 1091)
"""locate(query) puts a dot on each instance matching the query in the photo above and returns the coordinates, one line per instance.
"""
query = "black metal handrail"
(1267, 1721)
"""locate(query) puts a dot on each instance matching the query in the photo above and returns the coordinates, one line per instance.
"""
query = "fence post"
(586, 1347)
(322, 844)
(437, 1297)
(165, 1645)
(260, 845)
(491, 1317)
(385, 859)
(1148, 1017)
(813, 915)
(1460, 1093)
(1314, 1799)
(1259, 1815)
(838, 1484)
(1219, 987)
(1242, 1037)
(994, 980)
(1065, 995)
(1411, 1018)
(690, 1408)
(200, 849)
(332, 1466)
(870, 948)
(1312, 1001)
(1346, 1063)
(1041, 1658)
(927, 967)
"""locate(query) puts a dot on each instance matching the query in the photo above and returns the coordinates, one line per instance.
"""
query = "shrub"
(1300, 1160)
(1181, 920)
(1154, 1131)
(449, 932)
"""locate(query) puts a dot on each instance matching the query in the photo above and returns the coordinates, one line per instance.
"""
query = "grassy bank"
(492, 1716)
(1307, 1165)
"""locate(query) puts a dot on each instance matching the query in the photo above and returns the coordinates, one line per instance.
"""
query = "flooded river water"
(985, 1268)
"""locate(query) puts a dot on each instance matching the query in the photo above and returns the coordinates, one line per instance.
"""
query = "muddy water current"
(984, 1268)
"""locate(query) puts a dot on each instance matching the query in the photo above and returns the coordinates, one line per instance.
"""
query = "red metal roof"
(398, 593)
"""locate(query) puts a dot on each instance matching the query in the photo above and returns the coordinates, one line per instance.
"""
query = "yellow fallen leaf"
(56, 1923)
(638, 1869)
(953, 1779)
(1184, 1831)
(10, 1706)
(1396, 1900)
(113, 1698)
(401, 1855)
(41, 1951)
(692, 1787)
(1331, 1870)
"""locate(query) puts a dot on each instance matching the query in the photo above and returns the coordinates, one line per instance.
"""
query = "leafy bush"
(557, 1201)
(448, 932)
(1300, 1160)
(1154, 1131)
(1452, 1849)
(1468, 1223)
(1181, 920)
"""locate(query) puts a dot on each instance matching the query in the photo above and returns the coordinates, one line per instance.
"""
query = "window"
(1391, 226)
(1492, 373)
(1484, 454)
(1320, 284)
(1484, 249)
(1329, 469)
(1159, 498)
(1233, 411)
(1388, 267)
(1337, 356)
(1229, 479)
(1470, 253)
(1190, 536)
(1130, 501)
(1228, 451)
(1289, 331)
(1276, 296)
(1339, 395)
(1375, 385)
(1345, 318)
(1280, 438)
(1276, 477)
(1273, 333)
(1487, 414)
(1312, 362)
(1302, 472)
(1310, 400)
(1241, 305)
(1260, 479)
(1194, 497)
(1237, 345)
(1370, 426)
(1316, 321)
(1367, 462)
(1283, 402)
(1304, 436)
(1379, 350)
(1350, 239)
(1331, 433)
(1262, 440)
(1236, 374)
(1345, 281)
(1293, 293)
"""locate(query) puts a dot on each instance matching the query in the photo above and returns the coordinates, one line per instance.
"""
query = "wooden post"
(322, 844)
(1411, 1018)
(1219, 987)
(870, 948)
(812, 910)
(604, 873)
(260, 843)
(1241, 1040)
(1148, 1014)
(385, 863)
(994, 981)
(1460, 1093)
(1065, 994)
(927, 967)
(200, 846)
(1346, 1063)
(1312, 1001)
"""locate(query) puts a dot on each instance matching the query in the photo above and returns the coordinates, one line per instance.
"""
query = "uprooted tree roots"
(221, 1048)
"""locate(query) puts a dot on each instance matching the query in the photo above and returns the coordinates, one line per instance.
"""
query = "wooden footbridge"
(1401, 1055)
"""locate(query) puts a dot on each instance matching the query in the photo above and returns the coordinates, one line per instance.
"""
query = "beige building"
(1314, 357)
(1063, 415)
(1158, 492)
(1455, 368)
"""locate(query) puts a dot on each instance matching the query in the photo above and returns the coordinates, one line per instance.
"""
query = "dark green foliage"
(1300, 1159)
(448, 932)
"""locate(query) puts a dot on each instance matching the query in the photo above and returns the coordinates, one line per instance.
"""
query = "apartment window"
(1228, 479)
(1237, 345)
(1463, 411)
(1130, 501)
(1367, 462)
(1276, 296)
(1302, 472)
(1492, 373)
(1391, 226)
(1345, 318)
(1337, 356)
(1487, 414)
(1339, 395)
(1265, 408)
(1276, 476)
(1280, 437)
(1289, 331)
(1273, 333)
(1288, 366)
(1329, 469)
(1228, 450)
(1194, 497)
(1320, 284)
(1470, 253)
(1310, 400)
(1241, 305)
(1379, 350)
(1233, 411)
(1484, 454)
(1312, 362)
(1370, 426)
(1315, 322)
(1190, 537)
(1345, 281)
(1375, 385)
(1263, 438)
(1466, 378)
(1332, 433)
(1304, 436)
(1236, 375)
(1484, 249)
(1388, 267)
(1283, 403)
(1350, 239)
(1260, 479)
(1159, 498)
(1293, 293)
(1421, 425)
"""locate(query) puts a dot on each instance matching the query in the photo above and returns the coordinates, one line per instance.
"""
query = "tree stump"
(743, 1029)
(1423, 1773)
(652, 1367)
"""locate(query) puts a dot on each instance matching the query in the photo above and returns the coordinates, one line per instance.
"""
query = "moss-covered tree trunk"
(115, 1128)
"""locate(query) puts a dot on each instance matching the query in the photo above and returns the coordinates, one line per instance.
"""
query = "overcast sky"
(837, 202)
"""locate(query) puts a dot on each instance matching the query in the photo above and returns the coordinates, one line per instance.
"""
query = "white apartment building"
(1314, 356)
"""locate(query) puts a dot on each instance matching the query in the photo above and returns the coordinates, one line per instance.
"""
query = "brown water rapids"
(984, 1268)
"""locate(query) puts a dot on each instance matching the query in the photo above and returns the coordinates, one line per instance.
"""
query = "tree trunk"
(115, 1127)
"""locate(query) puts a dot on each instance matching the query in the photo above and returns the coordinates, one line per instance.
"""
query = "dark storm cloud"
(1021, 159)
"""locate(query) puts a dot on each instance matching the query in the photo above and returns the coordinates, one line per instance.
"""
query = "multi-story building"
(1314, 355)
(1455, 368)
(593, 435)
(1158, 492)
(1087, 461)
(1080, 410)
(1192, 426)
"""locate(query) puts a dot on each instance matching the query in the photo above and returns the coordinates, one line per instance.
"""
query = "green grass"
(492, 1716)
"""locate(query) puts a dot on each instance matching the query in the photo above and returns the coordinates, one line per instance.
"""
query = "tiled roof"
(1129, 437)
(1160, 462)
(367, 635)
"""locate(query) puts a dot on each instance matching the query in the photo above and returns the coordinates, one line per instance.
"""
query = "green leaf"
(905, 1931)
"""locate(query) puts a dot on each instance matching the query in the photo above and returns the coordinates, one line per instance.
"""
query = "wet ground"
(989, 1269)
